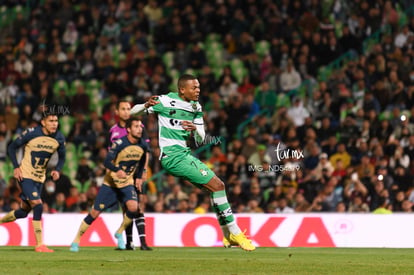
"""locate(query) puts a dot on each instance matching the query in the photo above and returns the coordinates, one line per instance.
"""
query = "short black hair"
(129, 121)
(183, 79)
(121, 101)
(48, 112)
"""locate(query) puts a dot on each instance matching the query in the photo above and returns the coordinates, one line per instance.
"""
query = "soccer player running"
(125, 163)
(180, 118)
(118, 131)
(39, 144)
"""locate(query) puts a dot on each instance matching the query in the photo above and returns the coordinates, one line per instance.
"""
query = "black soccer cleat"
(145, 247)
(130, 246)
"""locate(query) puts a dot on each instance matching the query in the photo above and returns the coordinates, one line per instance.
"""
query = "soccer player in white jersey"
(180, 118)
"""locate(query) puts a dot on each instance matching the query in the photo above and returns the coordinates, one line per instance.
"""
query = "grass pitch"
(203, 260)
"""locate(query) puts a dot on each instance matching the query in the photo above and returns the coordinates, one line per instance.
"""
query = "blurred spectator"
(173, 198)
(80, 101)
(111, 30)
(72, 200)
(59, 206)
(298, 113)
(227, 88)
(196, 57)
(23, 64)
(49, 193)
(63, 184)
(383, 207)
(265, 97)
(3, 186)
(84, 173)
(290, 79)
(70, 36)
(283, 208)
(342, 154)
(5, 138)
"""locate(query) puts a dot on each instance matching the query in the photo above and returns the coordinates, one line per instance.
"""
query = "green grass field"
(162, 260)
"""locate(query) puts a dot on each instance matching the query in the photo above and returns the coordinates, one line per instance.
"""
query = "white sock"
(233, 228)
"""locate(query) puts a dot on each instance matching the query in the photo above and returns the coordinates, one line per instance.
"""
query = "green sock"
(224, 213)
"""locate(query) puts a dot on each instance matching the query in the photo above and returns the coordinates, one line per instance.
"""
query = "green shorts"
(187, 167)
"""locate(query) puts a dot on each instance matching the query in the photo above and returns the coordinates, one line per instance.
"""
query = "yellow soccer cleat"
(227, 243)
(242, 241)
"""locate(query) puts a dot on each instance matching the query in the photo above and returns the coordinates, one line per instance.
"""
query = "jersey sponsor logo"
(175, 122)
(37, 175)
(172, 103)
(115, 134)
(133, 155)
(41, 146)
(172, 112)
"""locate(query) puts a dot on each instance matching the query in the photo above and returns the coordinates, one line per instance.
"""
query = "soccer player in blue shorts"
(39, 144)
(180, 118)
(118, 131)
(125, 163)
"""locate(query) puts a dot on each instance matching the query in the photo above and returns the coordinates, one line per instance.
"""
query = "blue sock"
(20, 213)
(88, 219)
(37, 212)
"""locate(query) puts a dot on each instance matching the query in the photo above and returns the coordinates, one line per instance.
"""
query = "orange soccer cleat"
(43, 248)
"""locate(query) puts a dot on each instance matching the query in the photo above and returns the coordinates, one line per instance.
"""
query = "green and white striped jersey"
(172, 111)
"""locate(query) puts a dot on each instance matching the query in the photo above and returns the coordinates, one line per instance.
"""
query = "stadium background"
(351, 85)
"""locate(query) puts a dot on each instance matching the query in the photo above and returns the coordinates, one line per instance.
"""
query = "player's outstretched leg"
(231, 231)
(87, 221)
(128, 217)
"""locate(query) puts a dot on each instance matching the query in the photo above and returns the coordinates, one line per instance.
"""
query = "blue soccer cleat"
(120, 240)
(74, 247)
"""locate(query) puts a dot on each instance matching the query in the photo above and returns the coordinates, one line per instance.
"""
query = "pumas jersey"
(126, 156)
(37, 152)
(172, 111)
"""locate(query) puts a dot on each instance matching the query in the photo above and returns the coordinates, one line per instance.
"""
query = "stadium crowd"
(344, 143)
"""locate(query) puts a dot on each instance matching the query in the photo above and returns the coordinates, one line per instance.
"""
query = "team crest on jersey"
(35, 194)
(101, 206)
(203, 172)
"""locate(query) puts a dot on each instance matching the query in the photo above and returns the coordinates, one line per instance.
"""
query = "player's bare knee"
(94, 213)
(215, 184)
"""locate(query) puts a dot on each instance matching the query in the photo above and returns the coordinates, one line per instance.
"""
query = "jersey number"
(40, 159)
(40, 162)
